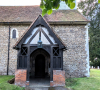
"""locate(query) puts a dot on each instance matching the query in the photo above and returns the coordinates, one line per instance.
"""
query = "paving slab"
(46, 88)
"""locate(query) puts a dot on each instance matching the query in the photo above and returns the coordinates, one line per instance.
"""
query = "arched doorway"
(40, 66)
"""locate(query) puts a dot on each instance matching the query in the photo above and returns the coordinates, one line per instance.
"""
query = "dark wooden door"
(40, 66)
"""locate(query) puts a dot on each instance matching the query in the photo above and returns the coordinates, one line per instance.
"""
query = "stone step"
(46, 88)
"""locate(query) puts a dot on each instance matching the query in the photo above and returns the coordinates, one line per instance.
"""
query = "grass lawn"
(6, 86)
(86, 83)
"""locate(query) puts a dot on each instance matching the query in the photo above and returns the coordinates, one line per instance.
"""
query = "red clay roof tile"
(29, 14)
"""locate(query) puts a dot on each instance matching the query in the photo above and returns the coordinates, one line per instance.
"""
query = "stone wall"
(13, 53)
(74, 59)
(4, 31)
(3, 49)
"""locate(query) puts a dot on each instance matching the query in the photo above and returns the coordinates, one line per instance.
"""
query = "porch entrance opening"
(40, 68)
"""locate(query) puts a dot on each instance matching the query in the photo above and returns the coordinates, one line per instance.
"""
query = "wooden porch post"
(51, 65)
(28, 63)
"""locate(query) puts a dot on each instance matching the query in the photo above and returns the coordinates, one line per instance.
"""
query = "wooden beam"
(51, 65)
(28, 64)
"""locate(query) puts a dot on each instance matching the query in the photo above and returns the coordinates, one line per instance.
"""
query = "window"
(14, 33)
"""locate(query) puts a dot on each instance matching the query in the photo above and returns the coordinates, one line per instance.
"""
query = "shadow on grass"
(70, 82)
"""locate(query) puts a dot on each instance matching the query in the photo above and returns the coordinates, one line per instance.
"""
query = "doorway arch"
(39, 64)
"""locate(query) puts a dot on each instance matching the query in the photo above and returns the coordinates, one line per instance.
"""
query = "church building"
(54, 46)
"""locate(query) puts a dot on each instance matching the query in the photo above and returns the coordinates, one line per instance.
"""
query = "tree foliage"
(94, 33)
(47, 6)
(91, 9)
(88, 7)
(98, 1)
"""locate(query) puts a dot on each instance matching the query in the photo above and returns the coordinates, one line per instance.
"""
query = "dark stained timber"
(24, 50)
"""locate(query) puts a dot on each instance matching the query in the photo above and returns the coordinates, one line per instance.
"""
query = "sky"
(20, 2)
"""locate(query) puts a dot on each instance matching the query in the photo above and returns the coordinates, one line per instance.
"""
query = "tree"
(88, 8)
(94, 33)
(47, 6)
(91, 9)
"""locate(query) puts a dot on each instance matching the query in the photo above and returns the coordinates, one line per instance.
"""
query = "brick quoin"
(20, 77)
(58, 78)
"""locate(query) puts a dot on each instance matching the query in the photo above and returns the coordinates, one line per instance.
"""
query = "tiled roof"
(29, 14)
(66, 15)
(19, 13)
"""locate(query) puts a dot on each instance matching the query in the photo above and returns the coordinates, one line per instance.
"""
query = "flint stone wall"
(74, 58)
(4, 32)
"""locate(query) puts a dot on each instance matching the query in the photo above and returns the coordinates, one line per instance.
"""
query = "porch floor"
(40, 82)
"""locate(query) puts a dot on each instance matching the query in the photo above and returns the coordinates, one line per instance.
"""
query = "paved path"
(40, 82)
(46, 88)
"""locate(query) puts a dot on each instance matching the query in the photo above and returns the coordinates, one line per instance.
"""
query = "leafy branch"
(47, 6)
